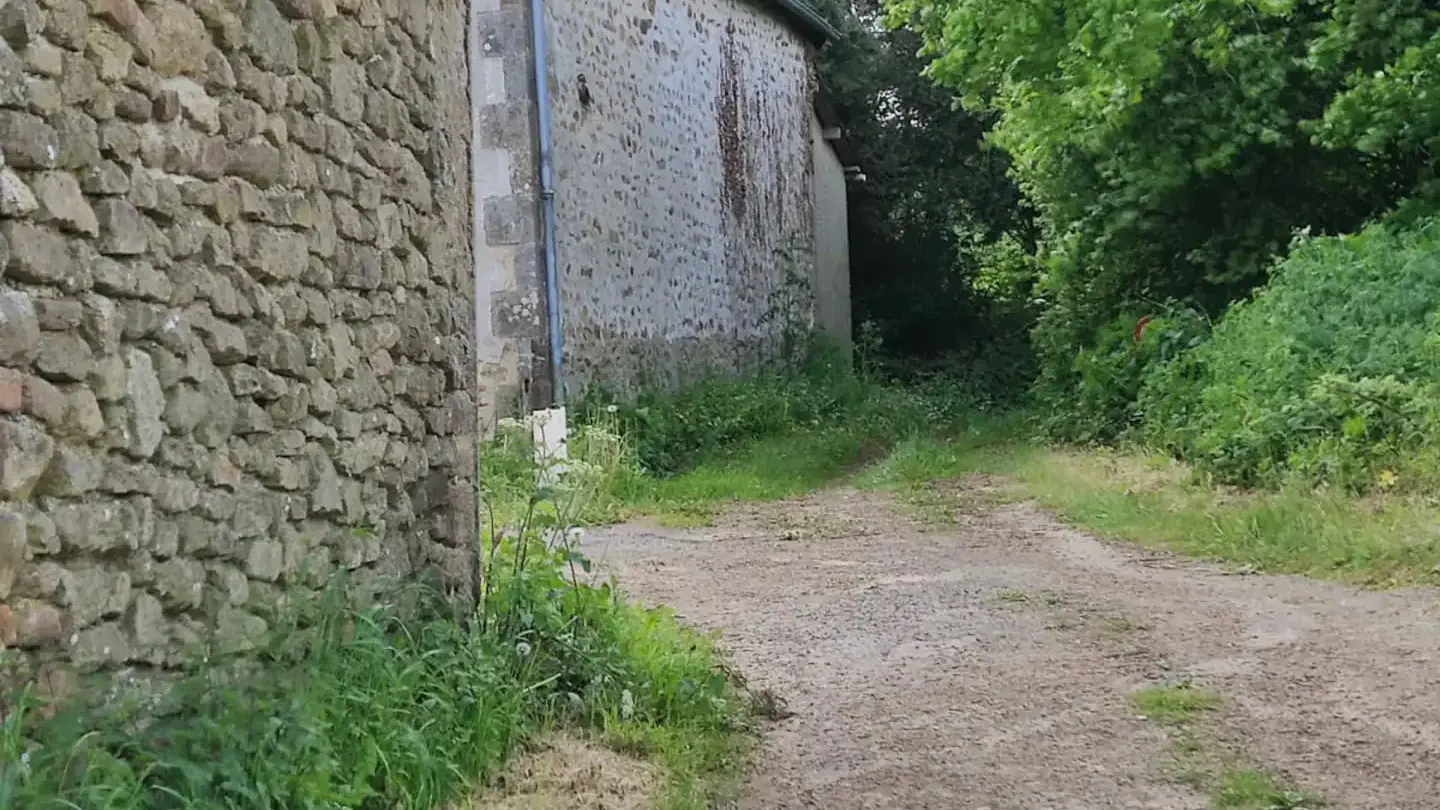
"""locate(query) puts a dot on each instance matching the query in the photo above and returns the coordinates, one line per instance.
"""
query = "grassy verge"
(786, 433)
(377, 711)
(703, 750)
(416, 702)
(680, 457)
(1379, 541)
(764, 469)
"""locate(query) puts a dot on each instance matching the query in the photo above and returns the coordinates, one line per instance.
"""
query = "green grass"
(374, 710)
(768, 469)
(1229, 780)
(1209, 768)
(1374, 542)
(981, 444)
(702, 768)
(1257, 790)
(414, 702)
(1174, 705)
(1013, 596)
(703, 749)
(787, 431)
(1377, 541)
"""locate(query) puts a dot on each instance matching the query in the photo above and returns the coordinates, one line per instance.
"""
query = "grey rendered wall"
(832, 240)
(678, 184)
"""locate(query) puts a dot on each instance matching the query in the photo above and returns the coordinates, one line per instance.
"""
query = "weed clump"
(1174, 705)
(406, 703)
(674, 431)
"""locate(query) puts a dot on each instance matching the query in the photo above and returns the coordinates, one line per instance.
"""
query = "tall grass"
(785, 431)
(397, 706)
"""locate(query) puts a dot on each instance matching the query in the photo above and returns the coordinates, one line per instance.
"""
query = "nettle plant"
(529, 551)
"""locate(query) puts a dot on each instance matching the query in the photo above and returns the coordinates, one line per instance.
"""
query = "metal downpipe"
(553, 313)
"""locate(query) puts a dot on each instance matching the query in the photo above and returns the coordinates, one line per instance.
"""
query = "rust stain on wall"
(679, 188)
(728, 116)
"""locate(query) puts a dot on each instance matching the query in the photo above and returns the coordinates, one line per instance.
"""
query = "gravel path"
(989, 663)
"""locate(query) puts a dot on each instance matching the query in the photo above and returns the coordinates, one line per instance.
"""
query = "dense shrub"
(1329, 373)
(1169, 150)
(1098, 400)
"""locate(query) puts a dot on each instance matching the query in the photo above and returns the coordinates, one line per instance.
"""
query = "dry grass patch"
(570, 773)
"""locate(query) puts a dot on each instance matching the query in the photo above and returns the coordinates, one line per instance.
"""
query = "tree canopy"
(935, 197)
(1172, 150)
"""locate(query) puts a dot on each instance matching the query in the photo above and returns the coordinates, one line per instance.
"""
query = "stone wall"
(236, 314)
(684, 159)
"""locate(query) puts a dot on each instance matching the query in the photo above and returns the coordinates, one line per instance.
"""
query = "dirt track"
(989, 663)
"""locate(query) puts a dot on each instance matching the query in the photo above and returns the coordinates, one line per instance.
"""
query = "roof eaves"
(807, 21)
(829, 117)
(826, 110)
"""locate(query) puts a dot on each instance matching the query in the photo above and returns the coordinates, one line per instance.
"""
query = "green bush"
(1330, 373)
(1169, 150)
(1098, 399)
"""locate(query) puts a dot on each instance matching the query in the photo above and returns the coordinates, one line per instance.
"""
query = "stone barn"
(690, 176)
(271, 266)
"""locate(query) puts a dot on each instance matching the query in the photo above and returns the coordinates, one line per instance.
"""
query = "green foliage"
(934, 199)
(673, 431)
(1172, 149)
(1387, 52)
(1105, 379)
(1329, 373)
(387, 708)
(782, 432)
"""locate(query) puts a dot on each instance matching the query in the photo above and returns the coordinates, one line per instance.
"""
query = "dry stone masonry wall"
(236, 315)
(684, 157)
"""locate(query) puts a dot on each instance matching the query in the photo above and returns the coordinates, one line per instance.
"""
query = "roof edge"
(807, 21)
(829, 117)
(825, 109)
